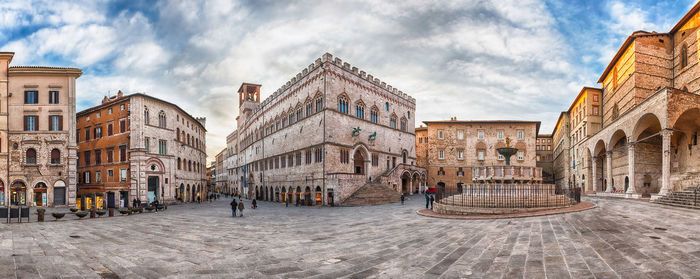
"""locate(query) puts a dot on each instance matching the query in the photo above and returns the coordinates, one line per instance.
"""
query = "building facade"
(545, 159)
(328, 132)
(137, 147)
(37, 134)
(455, 149)
(649, 110)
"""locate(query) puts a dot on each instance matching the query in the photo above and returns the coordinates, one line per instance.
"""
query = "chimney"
(120, 94)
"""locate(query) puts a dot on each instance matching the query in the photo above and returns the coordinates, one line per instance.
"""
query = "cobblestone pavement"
(627, 239)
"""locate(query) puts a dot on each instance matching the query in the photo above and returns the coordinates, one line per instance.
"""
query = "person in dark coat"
(155, 204)
(234, 205)
(403, 198)
(432, 199)
(427, 200)
(240, 208)
(255, 204)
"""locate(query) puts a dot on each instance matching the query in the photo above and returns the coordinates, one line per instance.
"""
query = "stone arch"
(155, 165)
(360, 152)
(648, 121)
(615, 138)
(405, 182)
(685, 137)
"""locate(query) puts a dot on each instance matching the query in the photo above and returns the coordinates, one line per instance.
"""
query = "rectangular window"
(122, 175)
(549, 147)
(110, 173)
(53, 97)
(319, 155)
(109, 111)
(500, 157)
(55, 123)
(537, 148)
(110, 155)
(98, 156)
(122, 153)
(86, 177)
(110, 129)
(375, 160)
(319, 104)
(31, 123)
(31, 97)
(162, 147)
(98, 132)
(481, 155)
(373, 116)
(98, 176)
(284, 161)
(460, 155)
(122, 125)
(481, 134)
(441, 154)
(520, 155)
(595, 110)
(308, 156)
(460, 134)
(500, 134)
(87, 157)
(290, 160)
(440, 134)
(520, 134)
(298, 158)
(595, 98)
(147, 144)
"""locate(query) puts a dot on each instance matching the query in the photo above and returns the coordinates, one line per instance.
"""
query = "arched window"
(179, 163)
(145, 115)
(374, 115)
(404, 156)
(392, 122)
(188, 139)
(31, 156)
(403, 124)
(161, 119)
(299, 114)
(343, 104)
(55, 156)
(684, 56)
(319, 104)
(309, 109)
(182, 137)
(177, 134)
(189, 166)
(360, 110)
(386, 105)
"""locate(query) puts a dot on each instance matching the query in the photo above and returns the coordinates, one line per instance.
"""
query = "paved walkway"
(617, 239)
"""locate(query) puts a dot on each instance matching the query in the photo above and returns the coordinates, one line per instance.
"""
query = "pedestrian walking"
(155, 204)
(255, 204)
(403, 198)
(240, 208)
(427, 200)
(199, 199)
(234, 205)
(286, 202)
(432, 199)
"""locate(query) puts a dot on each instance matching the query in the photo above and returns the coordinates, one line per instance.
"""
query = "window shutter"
(36, 123)
(60, 122)
(25, 120)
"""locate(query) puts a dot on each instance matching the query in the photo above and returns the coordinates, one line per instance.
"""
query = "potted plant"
(101, 213)
(124, 211)
(81, 214)
(58, 215)
(150, 208)
(40, 214)
(74, 210)
(160, 207)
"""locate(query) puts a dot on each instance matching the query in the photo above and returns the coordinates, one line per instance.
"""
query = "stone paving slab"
(616, 239)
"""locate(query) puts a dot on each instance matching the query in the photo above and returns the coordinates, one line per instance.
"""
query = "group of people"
(239, 206)
(429, 200)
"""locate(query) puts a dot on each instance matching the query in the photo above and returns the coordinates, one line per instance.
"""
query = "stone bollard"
(111, 212)
(92, 213)
(40, 214)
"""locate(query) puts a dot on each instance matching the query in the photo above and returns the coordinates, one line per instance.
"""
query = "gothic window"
(299, 114)
(360, 110)
(343, 104)
(684, 56)
(319, 104)
(161, 119)
(403, 124)
(309, 109)
(392, 122)
(374, 115)
(145, 115)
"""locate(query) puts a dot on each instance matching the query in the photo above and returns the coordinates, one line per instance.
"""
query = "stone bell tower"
(248, 100)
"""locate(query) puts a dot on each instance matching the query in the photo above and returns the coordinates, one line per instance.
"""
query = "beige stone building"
(647, 144)
(464, 152)
(332, 135)
(561, 151)
(37, 134)
(139, 147)
(545, 159)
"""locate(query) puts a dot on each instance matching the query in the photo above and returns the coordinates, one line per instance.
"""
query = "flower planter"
(124, 211)
(150, 208)
(40, 214)
(74, 210)
(58, 215)
(81, 214)
(160, 207)
(101, 213)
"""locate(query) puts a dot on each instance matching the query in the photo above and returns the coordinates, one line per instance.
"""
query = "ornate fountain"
(507, 151)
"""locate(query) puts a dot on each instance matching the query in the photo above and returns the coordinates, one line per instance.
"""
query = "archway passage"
(359, 162)
(40, 194)
(687, 128)
(599, 167)
(405, 181)
(646, 154)
(319, 196)
(18, 193)
(59, 193)
(153, 192)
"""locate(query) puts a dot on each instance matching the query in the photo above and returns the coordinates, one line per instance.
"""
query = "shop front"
(40, 194)
(59, 193)
(88, 201)
(18, 193)
(319, 196)
(2, 193)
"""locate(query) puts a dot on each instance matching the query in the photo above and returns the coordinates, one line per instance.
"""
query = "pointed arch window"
(300, 115)
(403, 123)
(392, 122)
(145, 115)
(684, 56)
(360, 110)
(343, 104)
(374, 115)
(319, 104)
(161, 119)
(309, 109)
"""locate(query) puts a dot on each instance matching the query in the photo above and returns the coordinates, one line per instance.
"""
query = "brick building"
(139, 147)
(650, 106)
(37, 134)
(455, 149)
(545, 159)
(331, 135)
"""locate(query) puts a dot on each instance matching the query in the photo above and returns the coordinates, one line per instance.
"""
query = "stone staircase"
(372, 193)
(689, 197)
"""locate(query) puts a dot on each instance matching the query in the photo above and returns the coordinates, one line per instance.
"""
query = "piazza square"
(353, 139)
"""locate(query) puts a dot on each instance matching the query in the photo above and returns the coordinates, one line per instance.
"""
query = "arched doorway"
(619, 155)
(647, 156)
(319, 196)
(277, 194)
(330, 197)
(153, 192)
(2, 193)
(59, 193)
(415, 183)
(40, 194)
(182, 192)
(307, 196)
(359, 162)
(599, 167)
(18, 193)
(684, 161)
(298, 195)
(187, 194)
(405, 181)
(290, 194)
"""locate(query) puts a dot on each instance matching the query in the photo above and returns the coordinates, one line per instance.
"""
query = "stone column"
(666, 162)
(594, 178)
(608, 160)
(630, 166)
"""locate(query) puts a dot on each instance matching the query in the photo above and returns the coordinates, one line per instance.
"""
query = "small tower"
(248, 100)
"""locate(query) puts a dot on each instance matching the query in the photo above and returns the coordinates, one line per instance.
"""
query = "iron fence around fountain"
(508, 196)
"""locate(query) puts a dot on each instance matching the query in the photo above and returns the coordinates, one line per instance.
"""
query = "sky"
(519, 60)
